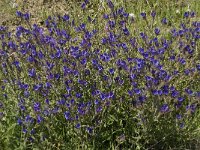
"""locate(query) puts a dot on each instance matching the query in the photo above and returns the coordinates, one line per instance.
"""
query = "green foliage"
(121, 124)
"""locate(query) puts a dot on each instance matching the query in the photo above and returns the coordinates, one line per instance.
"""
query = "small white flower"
(91, 10)
(178, 11)
(131, 15)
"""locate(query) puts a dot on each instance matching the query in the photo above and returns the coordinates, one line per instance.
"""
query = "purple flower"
(172, 57)
(126, 15)
(58, 54)
(192, 14)
(67, 115)
(112, 70)
(19, 14)
(178, 116)
(142, 98)
(187, 72)
(182, 125)
(72, 101)
(78, 125)
(172, 88)
(37, 106)
(164, 21)
(66, 17)
(180, 99)
(155, 92)
(189, 91)
(137, 91)
(47, 101)
(19, 121)
(186, 14)
(124, 46)
(26, 93)
(153, 14)
(96, 102)
(99, 109)
(40, 55)
(39, 119)
(79, 95)
(157, 31)
(89, 130)
(26, 16)
(143, 35)
(31, 72)
(143, 14)
(57, 76)
(193, 107)
(181, 32)
(198, 67)
(197, 94)
(160, 92)
(182, 61)
(86, 1)
(32, 131)
(120, 11)
(110, 4)
(24, 130)
(174, 93)
(141, 50)
(105, 16)
(61, 102)
(48, 85)
(83, 5)
(164, 108)
(111, 23)
(103, 96)
(82, 26)
(16, 63)
(103, 40)
(126, 31)
(30, 59)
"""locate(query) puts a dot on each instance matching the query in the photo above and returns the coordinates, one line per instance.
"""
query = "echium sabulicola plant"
(68, 85)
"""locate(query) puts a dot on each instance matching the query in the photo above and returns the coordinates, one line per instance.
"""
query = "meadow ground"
(99, 74)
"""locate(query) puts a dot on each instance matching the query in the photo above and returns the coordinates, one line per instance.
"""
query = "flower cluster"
(66, 75)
